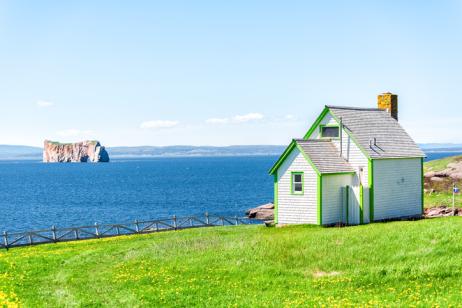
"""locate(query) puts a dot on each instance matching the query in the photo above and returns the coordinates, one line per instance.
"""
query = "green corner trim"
(319, 187)
(422, 179)
(361, 204)
(275, 202)
(347, 196)
(292, 191)
(371, 189)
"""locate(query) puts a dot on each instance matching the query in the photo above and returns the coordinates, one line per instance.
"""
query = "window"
(297, 183)
(329, 132)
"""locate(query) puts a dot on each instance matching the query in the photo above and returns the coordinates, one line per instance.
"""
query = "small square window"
(297, 183)
(329, 132)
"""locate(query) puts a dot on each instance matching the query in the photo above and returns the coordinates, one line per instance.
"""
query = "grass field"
(398, 263)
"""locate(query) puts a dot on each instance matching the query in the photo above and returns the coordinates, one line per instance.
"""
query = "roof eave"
(282, 157)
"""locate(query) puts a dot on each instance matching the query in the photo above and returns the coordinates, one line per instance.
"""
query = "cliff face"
(80, 152)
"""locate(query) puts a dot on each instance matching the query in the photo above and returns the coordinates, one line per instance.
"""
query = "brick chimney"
(388, 102)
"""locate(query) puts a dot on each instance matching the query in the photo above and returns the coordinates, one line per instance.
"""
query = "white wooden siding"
(355, 157)
(297, 209)
(333, 198)
(397, 188)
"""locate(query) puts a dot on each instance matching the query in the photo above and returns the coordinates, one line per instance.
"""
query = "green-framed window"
(296, 183)
(329, 131)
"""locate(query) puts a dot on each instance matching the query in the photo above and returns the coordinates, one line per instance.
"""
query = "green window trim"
(329, 125)
(292, 187)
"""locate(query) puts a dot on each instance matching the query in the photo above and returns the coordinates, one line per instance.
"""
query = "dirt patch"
(321, 274)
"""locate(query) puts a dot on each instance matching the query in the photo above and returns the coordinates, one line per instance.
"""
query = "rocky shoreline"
(266, 212)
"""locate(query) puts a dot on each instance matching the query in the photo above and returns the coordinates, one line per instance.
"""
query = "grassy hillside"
(440, 164)
(398, 264)
(443, 190)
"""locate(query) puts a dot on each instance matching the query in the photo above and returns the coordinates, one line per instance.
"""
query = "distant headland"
(22, 152)
(79, 152)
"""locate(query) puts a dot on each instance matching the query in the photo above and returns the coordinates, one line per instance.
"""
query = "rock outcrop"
(452, 172)
(263, 212)
(442, 211)
(80, 152)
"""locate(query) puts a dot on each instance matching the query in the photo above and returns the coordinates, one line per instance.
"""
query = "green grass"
(441, 199)
(396, 264)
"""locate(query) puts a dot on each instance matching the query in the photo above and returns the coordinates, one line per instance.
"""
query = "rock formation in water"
(80, 152)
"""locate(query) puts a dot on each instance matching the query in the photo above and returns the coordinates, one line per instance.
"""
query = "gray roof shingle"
(324, 155)
(365, 124)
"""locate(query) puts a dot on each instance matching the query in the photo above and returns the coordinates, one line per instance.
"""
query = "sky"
(222, 72)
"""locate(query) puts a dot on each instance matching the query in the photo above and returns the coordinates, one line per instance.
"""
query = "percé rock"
(79, 152)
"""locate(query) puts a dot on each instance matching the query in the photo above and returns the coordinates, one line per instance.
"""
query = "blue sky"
(222, 72)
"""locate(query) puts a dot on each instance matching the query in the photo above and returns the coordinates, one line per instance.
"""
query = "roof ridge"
(355, 108)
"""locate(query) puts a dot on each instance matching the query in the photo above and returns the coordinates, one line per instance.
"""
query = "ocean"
(34, 195)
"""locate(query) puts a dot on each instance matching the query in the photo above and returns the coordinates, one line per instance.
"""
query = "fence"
(55, 235)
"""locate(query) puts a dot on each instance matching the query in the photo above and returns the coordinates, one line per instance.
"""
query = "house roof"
(321, 154)
(365, 124)
(324, 155)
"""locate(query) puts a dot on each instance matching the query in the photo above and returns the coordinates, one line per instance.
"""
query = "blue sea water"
(34, 195)
(438, 155)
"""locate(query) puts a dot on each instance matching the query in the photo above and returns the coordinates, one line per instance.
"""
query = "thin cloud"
(217, 121)
(249, 117)
(158, 124)
(73, 132)
(44, 104)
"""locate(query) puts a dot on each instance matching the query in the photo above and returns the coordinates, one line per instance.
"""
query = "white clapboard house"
(353, 166)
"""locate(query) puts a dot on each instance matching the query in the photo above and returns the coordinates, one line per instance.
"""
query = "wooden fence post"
(207, 218)
(76, 233)
(222, 221)
(137, 227)
(5, 239)
(30, 239)
(96, 229)
(174, 221)
(157, 226)
(237, 221)
(53, 231)
(118, 230)
(190, 221)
